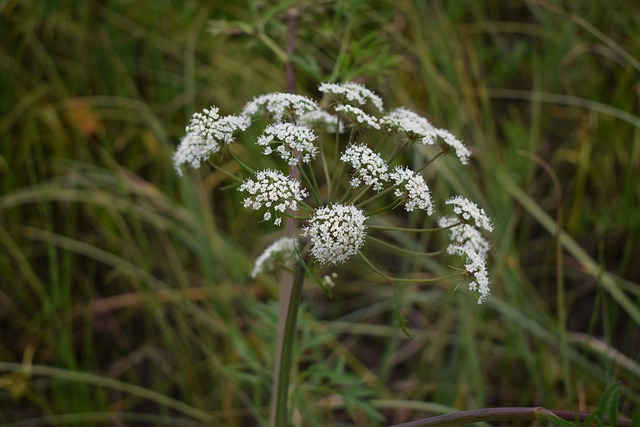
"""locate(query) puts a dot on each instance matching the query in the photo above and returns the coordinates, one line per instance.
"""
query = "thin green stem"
(224, 171)
(436, 157)
(312, 184)
(377, 195)
(325, 165)
(282, 392)
(399, 149)
(403, 250)
(240, 162)
(405, 280)
(359, 193)
(414, 230)
(394, 204)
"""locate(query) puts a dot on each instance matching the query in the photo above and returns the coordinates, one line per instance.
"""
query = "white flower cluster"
(337, 233)
(280, 105)
(293, 137)
(468, 242)
(469, 210)
(205, 133)
(369, 166)
(273, 190)
(193, 150)
(209, 125)
(403, 120)
(357, 115)
(352, 92)
(320, 119)
(461, 150)
(476, 266)
(275, 255)
(410, 186)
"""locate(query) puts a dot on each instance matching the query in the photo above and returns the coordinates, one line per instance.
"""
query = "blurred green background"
(125, 296)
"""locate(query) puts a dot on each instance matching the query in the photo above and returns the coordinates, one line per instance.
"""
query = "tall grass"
(125, 292)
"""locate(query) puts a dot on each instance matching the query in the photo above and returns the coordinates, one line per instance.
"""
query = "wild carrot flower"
(468, 211)
(450, 141)
(193, 150)
(415, 127)
(275, 255)
(280, 106)
(273, 190)
(411, 188)
(334, 232)
(292, 137)
(206, 132)
(337, 232)
(476, 267)
(210, 126)
(464, 234)
(369, 166)
(352, 92)
(357, 116)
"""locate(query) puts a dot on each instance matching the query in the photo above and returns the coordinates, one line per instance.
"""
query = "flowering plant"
(336, 219)
(340, 168)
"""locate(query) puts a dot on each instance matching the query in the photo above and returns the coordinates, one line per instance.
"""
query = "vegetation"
(126, 294)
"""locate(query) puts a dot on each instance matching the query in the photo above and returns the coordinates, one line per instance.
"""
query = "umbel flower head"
(405, 121)
(273, 190)
(353, 93)
(468, 211)
(206, 132)
(476, 267)
(411, 188)
(357, 116)
(342, 182)
(292, 138)
(194, 150)
(468, 242)
(276, 254)
(416, 128)
(368, 165)
(280, 106)
(464, 234)
(337, 233)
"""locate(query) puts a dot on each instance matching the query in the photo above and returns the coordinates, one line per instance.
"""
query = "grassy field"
(125, 290)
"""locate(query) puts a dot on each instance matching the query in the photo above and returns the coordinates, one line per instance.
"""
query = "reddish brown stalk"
(504, 414)
(289, 231)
